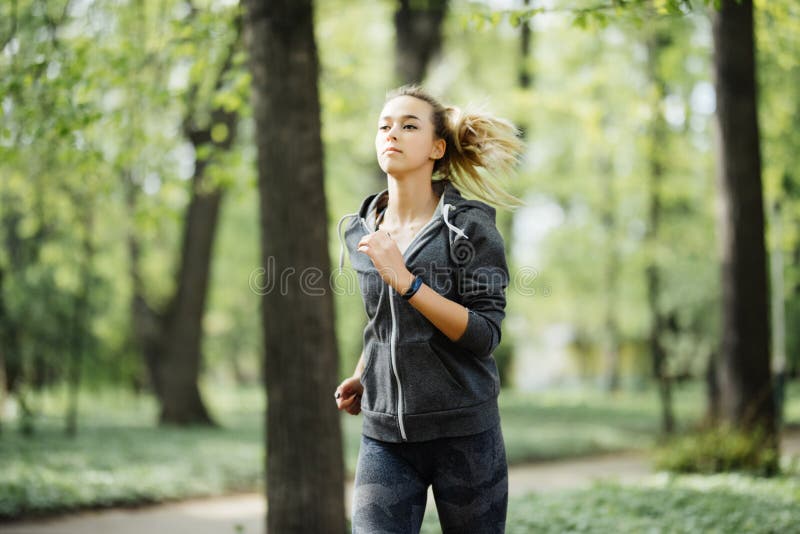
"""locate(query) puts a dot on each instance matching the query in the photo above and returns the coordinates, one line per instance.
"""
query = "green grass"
(663, 504)
(120, 457)
(558, 424)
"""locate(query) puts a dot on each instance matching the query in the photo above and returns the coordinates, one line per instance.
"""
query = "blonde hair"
(474, 140)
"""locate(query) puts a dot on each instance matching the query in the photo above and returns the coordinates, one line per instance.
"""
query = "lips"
(392, 150)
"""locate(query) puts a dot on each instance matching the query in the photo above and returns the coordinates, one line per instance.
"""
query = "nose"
(391, 133)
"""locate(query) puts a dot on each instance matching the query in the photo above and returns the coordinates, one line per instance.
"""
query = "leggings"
(469, 476)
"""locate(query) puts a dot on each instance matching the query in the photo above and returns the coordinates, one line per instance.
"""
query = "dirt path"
(244, 513)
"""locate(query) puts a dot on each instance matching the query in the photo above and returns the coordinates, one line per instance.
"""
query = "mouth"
(391, 150)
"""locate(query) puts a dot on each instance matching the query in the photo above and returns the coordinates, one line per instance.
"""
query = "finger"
(355, 409)
(341, 396)
(346, 402)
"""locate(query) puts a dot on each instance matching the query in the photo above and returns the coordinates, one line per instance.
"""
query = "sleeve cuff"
(478, 337)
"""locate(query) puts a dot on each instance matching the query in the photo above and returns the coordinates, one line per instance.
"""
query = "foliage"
(718, 449)
(563, 423)
(120, 457)
(93, 99)
(683, 504)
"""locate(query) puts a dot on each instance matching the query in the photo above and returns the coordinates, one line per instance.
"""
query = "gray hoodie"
(419, 385)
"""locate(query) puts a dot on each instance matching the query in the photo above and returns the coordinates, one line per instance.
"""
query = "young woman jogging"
(432, 272)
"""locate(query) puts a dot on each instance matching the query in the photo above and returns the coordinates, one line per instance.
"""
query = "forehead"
(401, 106)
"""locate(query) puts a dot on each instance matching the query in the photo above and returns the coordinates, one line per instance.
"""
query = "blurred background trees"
(129, 211)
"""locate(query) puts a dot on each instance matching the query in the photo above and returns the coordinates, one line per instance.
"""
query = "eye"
(383, 127)
(409, 127)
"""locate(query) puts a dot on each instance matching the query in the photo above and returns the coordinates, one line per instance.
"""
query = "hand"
(387, 259)
(348, 395)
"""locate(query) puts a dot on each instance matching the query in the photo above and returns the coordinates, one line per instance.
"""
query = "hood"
(451, 203)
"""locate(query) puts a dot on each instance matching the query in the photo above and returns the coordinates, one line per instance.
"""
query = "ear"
(438, 149)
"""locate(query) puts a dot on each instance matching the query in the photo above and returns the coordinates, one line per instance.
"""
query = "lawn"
(120, 457)
(663, 504)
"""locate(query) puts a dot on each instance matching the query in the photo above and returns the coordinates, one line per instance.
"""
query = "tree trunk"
(744, 365)
(146, 321)
(418, 38)
(171, 339)
(304, 468)
(80, 332)
(3, 338)
(418, 28)
(657, 41)
(505, 353)
(778, 312)
(611, 329)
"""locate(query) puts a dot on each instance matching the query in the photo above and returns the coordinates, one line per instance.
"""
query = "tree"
(744, 361)
(657, 42)
(418, 28)
(304, 469)
(170, 337)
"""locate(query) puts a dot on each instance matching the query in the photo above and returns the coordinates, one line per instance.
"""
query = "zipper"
(393, 353)
(393, 350)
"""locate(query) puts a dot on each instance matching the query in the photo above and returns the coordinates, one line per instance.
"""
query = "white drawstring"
(459, 232)
(445, 213)
(341, 241)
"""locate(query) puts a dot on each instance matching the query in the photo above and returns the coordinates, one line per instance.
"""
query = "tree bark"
(419, 37)
(304, 469)
(744, 365)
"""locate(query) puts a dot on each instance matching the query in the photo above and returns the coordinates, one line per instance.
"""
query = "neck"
(410, 199)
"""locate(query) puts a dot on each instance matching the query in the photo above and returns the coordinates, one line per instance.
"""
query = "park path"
(244, 513)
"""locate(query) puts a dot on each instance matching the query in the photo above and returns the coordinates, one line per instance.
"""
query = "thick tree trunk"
(657, 42)
(744, 366)
(171, 339)
(418, 28)
(304, 468)
(182, 329)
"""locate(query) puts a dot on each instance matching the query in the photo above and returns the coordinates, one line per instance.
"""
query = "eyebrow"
(387, 117)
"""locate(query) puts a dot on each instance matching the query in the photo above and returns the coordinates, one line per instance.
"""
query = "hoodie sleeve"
(482, 278)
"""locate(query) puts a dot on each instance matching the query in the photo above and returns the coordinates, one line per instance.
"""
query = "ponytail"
(475, 142)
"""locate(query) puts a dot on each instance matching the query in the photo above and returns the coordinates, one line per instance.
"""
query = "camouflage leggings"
(469, 476)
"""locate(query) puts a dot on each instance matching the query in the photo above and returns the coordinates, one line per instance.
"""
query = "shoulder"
(478, 220)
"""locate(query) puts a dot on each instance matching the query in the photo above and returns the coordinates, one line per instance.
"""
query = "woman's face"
(405, 141)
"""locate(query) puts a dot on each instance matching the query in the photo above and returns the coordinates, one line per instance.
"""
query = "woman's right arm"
(348, 394)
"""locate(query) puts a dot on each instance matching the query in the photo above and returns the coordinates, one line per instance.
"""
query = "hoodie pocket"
(380, 392)
(428, 386)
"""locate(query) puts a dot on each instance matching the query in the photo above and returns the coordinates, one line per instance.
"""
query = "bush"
(719, 449)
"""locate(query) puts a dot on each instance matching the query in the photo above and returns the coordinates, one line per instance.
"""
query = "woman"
(433, 274)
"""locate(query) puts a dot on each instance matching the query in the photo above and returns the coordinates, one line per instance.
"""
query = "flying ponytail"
(475, 141)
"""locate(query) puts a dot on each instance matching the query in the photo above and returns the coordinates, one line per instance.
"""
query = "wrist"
(404, 283)
(412, 290)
